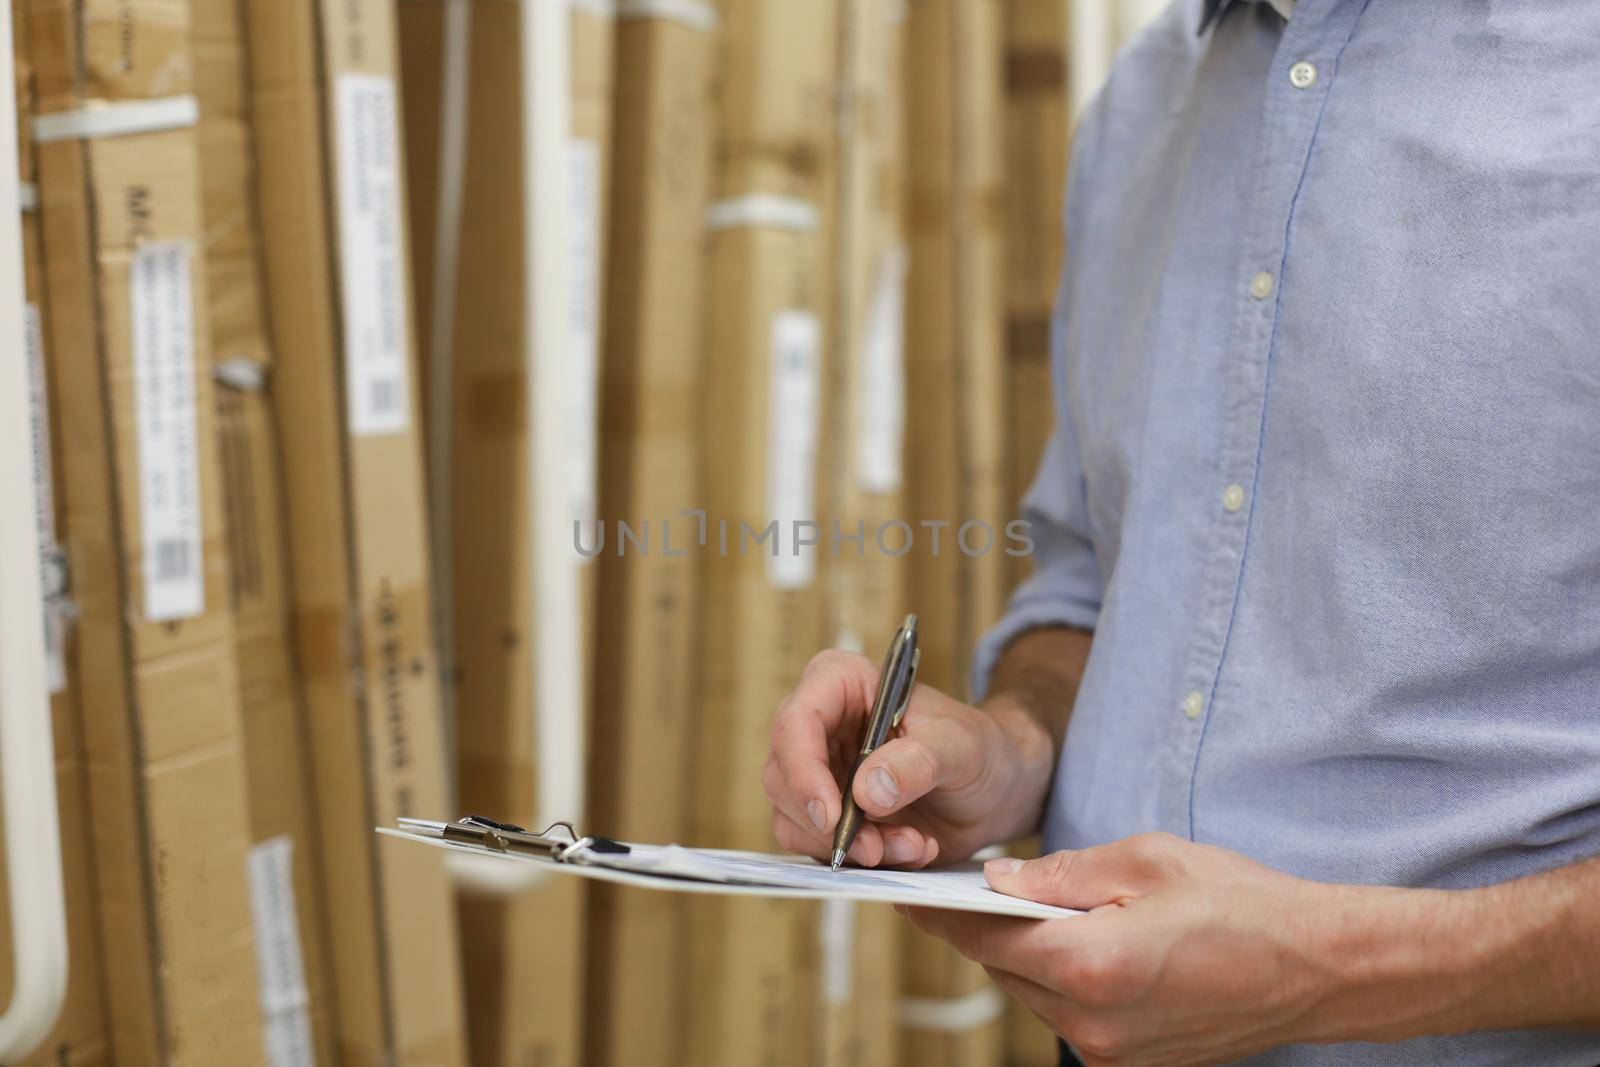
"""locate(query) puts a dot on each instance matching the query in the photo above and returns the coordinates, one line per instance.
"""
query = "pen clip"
(911, 683)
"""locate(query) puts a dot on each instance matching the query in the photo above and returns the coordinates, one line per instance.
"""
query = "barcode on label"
(382, 397)
(173, 560)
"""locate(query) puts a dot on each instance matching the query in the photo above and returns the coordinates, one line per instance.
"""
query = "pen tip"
(838, 858)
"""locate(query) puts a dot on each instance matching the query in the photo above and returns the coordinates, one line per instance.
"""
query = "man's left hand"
(1191, 954)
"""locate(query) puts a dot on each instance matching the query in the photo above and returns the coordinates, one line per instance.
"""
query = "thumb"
(909, 768)
(1082, 879)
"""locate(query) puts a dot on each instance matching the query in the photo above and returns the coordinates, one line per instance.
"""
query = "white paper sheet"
(960, 887)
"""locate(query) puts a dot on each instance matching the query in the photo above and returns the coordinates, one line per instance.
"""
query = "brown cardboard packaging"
(79, 1037)
(330, 192)
(765, 614)
(646, 723)
(1038, 140)
(156, 669)
(755, 978)
(421, 26)
(1037, 145)
(865, 586)
(952, 368)
(528, 948)
(286, 883)
(980, 270)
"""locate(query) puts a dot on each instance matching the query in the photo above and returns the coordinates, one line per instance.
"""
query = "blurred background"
(393, 377)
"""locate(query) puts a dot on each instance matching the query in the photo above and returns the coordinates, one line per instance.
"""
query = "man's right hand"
(952, 780)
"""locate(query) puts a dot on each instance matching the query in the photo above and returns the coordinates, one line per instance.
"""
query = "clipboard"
(561, 848)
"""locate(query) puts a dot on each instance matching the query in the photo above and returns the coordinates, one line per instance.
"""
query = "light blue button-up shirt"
(1326, 474)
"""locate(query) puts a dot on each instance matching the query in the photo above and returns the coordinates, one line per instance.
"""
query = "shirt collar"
(1211, 9)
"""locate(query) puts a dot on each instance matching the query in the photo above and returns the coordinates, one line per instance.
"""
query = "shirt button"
(1192, 705)
(1302, 75)
(1233, 497)
(1261, 286)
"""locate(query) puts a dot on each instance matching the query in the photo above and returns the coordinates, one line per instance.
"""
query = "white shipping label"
(792, 446)
(583, 363)
(838, 951)
(882, 407)
(288, 1040)
(52, 570)
(162, 298)
(372, 257)
(284, 999)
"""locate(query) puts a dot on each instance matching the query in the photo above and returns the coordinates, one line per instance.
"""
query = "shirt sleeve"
(1065, 587)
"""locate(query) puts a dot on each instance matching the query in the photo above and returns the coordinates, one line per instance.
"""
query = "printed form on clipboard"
(708, 870)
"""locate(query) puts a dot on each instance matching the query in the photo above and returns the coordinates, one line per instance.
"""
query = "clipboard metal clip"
(560, 841)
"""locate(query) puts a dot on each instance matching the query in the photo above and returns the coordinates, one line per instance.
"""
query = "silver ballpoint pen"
(888, 708)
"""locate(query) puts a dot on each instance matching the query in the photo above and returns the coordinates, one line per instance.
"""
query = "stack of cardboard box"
(952, 1012)
(286, 860)
(79, 1036)
(120, 195)
(858, 974)
(814, 248)
(466, 161)
(648, 651)
(766, 403)
(331, 194)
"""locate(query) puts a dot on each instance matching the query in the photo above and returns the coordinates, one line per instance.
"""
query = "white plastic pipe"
(27, 759)
(556, 606)
(558, 683)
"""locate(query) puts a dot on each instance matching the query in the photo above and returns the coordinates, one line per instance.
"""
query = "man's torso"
(1331, 354)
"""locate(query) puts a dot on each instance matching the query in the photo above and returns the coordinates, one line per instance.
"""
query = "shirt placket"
(1302, 71)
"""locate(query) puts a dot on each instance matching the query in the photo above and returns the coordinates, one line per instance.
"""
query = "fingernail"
(818, 814)
(880, 783)
(900, 849)
(1002, 868)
